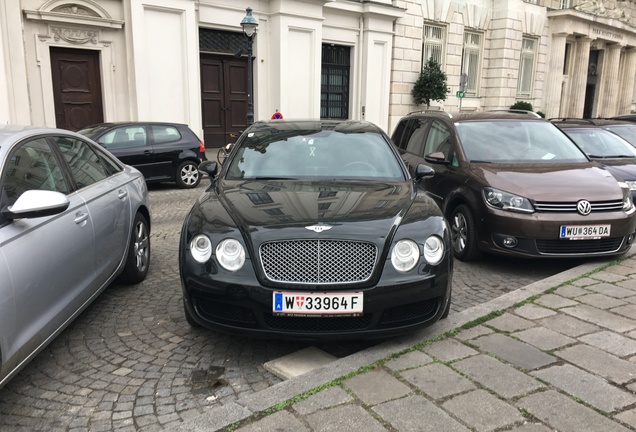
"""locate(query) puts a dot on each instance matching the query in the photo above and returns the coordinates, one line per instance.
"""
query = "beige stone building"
(69, 63)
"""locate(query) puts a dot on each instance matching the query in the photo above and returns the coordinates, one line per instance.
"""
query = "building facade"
(70, 63)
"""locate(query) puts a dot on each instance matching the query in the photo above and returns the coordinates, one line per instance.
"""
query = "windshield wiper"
(610, 156)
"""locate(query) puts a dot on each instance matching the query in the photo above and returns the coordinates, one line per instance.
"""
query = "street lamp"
(249, 25)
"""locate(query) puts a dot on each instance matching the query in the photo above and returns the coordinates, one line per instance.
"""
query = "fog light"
(630, 238)
(510, 242)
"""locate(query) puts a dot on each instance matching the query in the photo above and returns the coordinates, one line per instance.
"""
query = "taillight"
(201, 147)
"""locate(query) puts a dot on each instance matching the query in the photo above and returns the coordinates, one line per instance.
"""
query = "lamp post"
(249, 25)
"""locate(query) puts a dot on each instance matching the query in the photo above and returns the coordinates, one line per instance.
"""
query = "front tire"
(138, 258)
(464, 234)
(188, 175)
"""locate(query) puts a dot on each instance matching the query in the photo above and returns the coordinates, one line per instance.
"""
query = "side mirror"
(437, 157)
(423, 171)
(36, 203)
(209, 167)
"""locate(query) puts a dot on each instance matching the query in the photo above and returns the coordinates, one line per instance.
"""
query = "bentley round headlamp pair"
(230, 254)
(406, 253)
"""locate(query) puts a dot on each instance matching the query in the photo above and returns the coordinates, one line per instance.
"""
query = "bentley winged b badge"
(318, 228)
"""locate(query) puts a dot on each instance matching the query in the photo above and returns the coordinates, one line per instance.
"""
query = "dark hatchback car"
(161, 151)
(514, 184)
(315, 230)
(614, 153)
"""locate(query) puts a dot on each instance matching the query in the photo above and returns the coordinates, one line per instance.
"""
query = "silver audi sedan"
(72, 220)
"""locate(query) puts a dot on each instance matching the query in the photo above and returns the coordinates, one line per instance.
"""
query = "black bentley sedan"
(315, 230)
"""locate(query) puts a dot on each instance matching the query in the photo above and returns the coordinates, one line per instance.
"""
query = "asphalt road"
(131, 361)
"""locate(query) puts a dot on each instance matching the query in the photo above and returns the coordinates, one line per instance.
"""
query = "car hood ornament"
(318, 228)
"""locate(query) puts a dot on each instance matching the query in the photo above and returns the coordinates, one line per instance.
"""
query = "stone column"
(608, 96)
(552, 98)
(579, 77)
(626, 86)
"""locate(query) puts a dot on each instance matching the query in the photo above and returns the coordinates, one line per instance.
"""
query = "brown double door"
(77, 91)
(223, 98)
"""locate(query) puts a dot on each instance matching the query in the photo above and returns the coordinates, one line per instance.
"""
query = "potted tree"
(430, 85)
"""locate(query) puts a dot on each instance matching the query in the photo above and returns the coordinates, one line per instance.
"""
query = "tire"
(138, 257)
(188, 175)
(464, 234)
(189, 317)
(221, 155)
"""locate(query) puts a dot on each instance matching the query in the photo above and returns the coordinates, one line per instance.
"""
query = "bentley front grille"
(318, 261)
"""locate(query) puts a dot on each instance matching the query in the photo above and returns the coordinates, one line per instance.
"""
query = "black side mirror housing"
(423, 171)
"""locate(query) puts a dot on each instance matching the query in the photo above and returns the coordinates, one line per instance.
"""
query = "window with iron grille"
(471, 59)
(526, 67)
(433, 44)
(334, 86)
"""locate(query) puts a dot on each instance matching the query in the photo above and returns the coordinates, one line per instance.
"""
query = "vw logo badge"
(318, 228)
(584, 207)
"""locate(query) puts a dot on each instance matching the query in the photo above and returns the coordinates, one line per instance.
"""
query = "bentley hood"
(353, 210)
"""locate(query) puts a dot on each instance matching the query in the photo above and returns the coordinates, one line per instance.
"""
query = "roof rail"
(517, 111)
(430, 111)
(572, 120)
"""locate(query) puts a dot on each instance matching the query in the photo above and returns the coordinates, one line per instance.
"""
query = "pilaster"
(552, 99)
(609, 81)
(628, 75)
(579, 78)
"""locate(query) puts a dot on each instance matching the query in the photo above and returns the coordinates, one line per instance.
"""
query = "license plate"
(317, 303)
(575, 232)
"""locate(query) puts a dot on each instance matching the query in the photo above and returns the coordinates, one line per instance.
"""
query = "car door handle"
(80, 218)
(122, 194)
(147, 153)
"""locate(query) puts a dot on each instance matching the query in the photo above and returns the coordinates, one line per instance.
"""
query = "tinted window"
(415, 143)
(84, 162)
(314, 154)
(165, 134)
(31, 165)
(398, 132)
(124, 137)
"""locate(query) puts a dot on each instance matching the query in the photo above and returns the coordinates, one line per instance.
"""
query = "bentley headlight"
(433, 250)
(507, 201)
(230, 254)
(201, 248)
(405, 255)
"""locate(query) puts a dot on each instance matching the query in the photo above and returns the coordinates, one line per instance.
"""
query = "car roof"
(133, 123)
(454, 117)
(343, 126)
(11, 133)
(591, 123)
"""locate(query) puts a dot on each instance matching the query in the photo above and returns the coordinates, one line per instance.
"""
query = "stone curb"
(220, 417)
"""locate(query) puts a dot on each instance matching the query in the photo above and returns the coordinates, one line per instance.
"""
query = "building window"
(564, 4)
(471, 59)
(526, 67)
(334, 88)
(433, 44)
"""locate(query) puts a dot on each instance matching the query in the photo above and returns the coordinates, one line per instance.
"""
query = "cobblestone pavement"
(131, 362)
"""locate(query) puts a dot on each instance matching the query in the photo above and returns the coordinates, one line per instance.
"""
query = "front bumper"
(390, 308)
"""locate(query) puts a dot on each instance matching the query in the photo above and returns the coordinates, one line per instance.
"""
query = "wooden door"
(223, 98)
(77, 88)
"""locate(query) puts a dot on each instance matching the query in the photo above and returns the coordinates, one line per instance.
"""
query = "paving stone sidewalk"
(559, 354)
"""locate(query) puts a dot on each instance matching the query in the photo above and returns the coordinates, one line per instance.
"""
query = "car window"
(516, 141)
(439, 140)
(31, 165)
(85, 165)
(599, 142)
(112, 165)
(124, 137)
(165, 134)
(315, 154)
(415, 143)
(399, 132)
(627, 132)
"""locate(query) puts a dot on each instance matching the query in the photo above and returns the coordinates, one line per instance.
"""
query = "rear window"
(514, 141)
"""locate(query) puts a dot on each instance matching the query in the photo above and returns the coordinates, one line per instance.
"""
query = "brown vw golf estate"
(512, 183)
